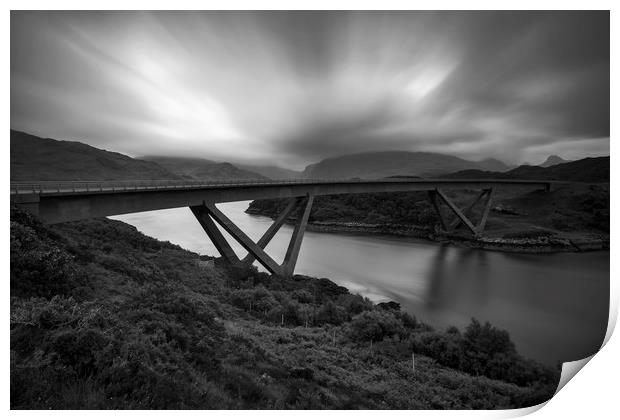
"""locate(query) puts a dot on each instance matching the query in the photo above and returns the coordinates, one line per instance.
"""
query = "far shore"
(529, 244)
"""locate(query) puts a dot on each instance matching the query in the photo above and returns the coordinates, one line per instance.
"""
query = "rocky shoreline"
(530, 244)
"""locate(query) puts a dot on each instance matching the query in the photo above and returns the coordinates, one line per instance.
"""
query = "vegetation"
(571, 211)
(105, 317)
(410, 208)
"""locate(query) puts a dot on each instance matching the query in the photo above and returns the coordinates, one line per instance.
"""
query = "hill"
(193, 168)
(272, 172)
(553, 160)
(492, 165)
(383, 164)
(103, 317)
(37, 159)
(584, 170)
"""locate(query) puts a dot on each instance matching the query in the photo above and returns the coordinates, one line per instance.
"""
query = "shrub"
(40, 267)
(329, 313)
(481, 350)
(257, 299)
(374, 325)
(409, 321)
(303, 296)
(482, 342)
(77, 349)
(354, 304)
(445, 348)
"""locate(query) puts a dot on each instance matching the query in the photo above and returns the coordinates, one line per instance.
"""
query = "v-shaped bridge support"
(462, 217)
(208, 214)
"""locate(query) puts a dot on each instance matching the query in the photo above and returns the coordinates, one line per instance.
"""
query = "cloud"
(294, 87)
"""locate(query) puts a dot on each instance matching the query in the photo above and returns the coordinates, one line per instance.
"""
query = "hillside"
(384, 164)
(35, 158)
(572, 217)
(272, 172)
(492, 165)
(105, 317)
(594, 169)
(553, 160)
(193, 168)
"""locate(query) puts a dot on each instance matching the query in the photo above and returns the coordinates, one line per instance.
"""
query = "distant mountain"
(273, 172)
(37, 159)
(492, 165)
(192, 168)
(584, 170)
(553, 160)
(383, 164)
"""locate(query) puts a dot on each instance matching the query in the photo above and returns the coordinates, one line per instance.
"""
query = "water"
(554, 306)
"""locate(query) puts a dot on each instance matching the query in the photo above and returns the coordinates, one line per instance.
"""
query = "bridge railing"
(38, 187)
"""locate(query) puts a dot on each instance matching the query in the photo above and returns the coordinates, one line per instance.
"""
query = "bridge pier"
(208, 214)
(456, 223)
(432, 196)
(462, 217)
(288, 266)
(221, 244)
(273, 229)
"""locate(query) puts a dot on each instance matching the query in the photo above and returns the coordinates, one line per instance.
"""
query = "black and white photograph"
(306, 209)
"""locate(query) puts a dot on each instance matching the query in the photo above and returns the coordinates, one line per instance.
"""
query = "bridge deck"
(57, 202)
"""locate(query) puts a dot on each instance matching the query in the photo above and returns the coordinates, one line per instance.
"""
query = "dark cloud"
(293, 87)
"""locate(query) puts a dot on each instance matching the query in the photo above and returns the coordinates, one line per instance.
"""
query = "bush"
(39, 267)
(481, 350)
(257, 299)
(354, 304)
(329, 313)
(445, 348)
(481, 343)
(303, 296)
(374, 325)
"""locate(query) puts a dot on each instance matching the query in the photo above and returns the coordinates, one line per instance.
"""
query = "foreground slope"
(105, 317)
(37, 159)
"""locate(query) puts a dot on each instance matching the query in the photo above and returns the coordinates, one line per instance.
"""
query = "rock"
(505, 210)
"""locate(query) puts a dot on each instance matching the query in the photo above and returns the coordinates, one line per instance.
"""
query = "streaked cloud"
(293, 87)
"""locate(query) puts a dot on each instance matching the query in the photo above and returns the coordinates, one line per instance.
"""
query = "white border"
(592, 394)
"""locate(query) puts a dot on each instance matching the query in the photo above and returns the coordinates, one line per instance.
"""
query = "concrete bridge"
(56, 202)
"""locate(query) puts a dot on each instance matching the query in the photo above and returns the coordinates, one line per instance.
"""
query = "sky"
(292, 88)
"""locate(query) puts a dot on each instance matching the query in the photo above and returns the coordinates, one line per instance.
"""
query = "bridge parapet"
(74, 187)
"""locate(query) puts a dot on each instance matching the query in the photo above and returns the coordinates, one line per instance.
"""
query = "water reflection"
(436, 277)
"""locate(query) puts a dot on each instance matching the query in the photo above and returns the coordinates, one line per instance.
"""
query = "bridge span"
(57, 202)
